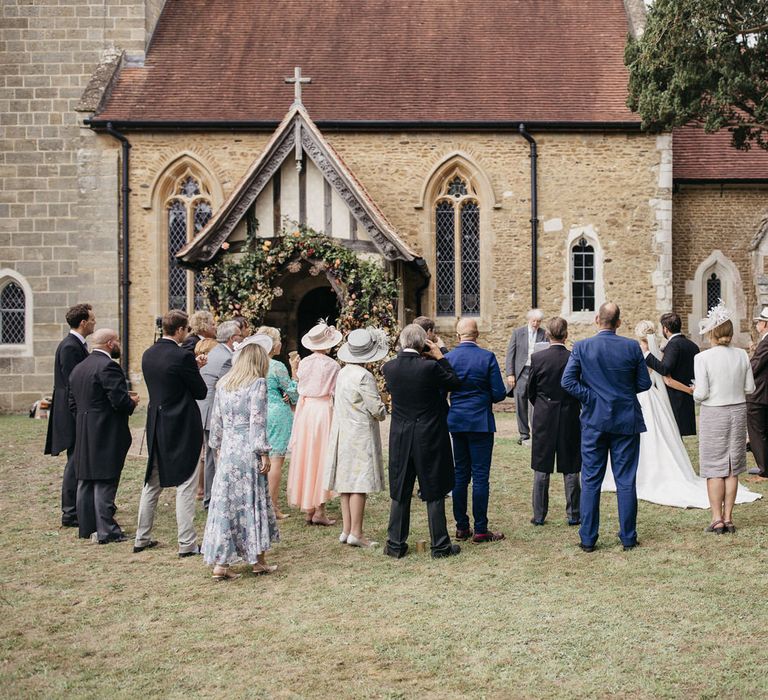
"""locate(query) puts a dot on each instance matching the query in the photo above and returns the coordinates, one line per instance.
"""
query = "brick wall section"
(708, 218)
(57, 201)
(607, 181)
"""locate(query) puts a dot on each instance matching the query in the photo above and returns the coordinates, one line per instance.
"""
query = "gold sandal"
(263, 569)
(227, 575)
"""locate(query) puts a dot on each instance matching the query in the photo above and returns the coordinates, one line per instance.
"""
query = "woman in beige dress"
(354, 466)
(722, 378)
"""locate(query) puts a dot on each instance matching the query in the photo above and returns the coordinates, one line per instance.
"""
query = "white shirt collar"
(167, 337)
(672, 336)
(762, 337)
(415, 352)
(104, 351)
(77, 335)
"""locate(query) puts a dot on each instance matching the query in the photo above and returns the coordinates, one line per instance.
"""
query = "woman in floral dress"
(281, 394)
(312, 425)
(241, 523)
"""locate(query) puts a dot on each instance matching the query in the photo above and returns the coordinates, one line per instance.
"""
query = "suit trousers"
(69, 490)
(96, 508)
(572, 483)
(400, 520)
(625, 452)
(472, 453)
(186, 496)
(522, 405)
(757, 429)
(210, 469)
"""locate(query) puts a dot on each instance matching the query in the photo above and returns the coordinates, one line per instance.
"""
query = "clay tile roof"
(701, 156)
(382, 60)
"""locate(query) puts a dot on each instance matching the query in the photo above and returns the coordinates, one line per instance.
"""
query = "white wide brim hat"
(715, 316)
(260, 339)
(321, 337)
(364, 345)
(763, 315)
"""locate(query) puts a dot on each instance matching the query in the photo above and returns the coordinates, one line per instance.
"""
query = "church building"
(485, 159)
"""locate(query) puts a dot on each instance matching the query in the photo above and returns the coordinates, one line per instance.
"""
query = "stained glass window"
(12, 315)
(457, 249)
(583, 276)
(714, 291)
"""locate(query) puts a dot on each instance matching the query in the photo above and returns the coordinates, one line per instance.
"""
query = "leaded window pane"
(12, 315)
(189, 187)
(583, 276)
(177, 239)
(445, 281)
(714, 291)
(470, 259)
(457, 187)
(203, 213)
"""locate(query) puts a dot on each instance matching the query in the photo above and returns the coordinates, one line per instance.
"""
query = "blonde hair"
(204, 346)
(645, 328)
(251, 364)
(722, 334)
(200, 321)
(272, 333)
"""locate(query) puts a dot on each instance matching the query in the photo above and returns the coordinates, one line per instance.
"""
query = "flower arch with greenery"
(246, 282)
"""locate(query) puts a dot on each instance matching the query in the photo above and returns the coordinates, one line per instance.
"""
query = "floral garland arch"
(245, 283)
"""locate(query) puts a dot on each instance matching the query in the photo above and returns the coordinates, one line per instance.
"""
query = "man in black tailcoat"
(61, 424)
(174, 432)
(419, 442)
(677, 362)
(556, 428)
(757, 402)
(99, 400)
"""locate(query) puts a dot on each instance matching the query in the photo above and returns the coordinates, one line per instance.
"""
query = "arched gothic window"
(13, 311)
(582, 276)
(714, 291)
(188, 211)
(457, 248)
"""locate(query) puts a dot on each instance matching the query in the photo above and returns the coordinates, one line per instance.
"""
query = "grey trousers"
(540, 499)
(186, 496)
(69, 491)
(522, 406)
(96, 509)
(210, 469)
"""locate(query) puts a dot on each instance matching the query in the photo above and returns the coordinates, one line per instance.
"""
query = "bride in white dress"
(664, 472)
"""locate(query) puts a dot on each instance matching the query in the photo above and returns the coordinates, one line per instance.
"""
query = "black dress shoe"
(628, 547)
(395, 553)
(453, 550)
(519, 441)
(574, 522)
(184, 555)
(587, 547)
(463, 534)
(70, 523)
(122, 537)
(149, 545)
(536, 522)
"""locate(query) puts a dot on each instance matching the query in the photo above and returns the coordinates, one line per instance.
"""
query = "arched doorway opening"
(316, 304)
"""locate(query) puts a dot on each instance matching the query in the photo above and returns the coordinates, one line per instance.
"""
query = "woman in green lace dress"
(281, 394)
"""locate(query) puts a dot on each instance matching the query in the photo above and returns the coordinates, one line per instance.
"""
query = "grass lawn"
(684, 615)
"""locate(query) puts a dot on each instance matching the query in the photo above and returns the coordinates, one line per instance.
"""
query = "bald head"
(102, 337)
(466, 329)
(609, 315)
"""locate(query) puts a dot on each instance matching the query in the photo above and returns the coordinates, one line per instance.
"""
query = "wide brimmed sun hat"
(716, 316)
(763, 315)
(260, 339)
(364, 345)
(321, 337)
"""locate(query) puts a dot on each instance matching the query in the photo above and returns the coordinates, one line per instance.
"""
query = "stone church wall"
(714, 230)
(58, 194)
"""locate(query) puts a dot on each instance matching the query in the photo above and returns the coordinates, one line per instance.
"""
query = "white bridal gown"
(664, 472)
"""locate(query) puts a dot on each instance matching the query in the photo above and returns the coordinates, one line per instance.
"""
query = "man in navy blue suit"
(605, 373)
(471, 424)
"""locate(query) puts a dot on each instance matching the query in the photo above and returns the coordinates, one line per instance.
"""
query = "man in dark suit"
(61, 424)
(174, 432)
(472, 425)
(606, 372)
(555, 427)
(419, 443)
(518, 367)
(677, 363)
(757, 401)
(99, 400)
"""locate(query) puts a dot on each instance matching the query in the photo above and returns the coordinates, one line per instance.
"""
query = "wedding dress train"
(664, 473)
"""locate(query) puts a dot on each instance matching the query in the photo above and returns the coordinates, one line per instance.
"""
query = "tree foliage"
(703, 61)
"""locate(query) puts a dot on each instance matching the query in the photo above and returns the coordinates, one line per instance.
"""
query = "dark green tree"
(703, 61)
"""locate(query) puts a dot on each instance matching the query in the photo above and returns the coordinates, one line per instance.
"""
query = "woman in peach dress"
(312, 425)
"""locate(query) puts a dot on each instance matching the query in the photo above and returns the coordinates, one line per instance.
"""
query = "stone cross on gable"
(297, 81)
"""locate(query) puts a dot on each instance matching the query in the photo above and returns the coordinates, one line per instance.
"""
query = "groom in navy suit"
(606, 372)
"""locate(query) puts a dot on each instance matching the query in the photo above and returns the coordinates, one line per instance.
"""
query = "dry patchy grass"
(683, 615)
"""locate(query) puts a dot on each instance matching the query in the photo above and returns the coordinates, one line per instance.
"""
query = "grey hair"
(413, 337)
(535, 313)
(226, 330)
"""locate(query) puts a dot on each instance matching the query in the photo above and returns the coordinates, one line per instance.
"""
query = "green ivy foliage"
(703, 61)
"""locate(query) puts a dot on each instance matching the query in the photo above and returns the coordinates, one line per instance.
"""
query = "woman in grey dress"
(354, 466)
(241, 522)
(722, 378)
